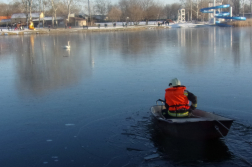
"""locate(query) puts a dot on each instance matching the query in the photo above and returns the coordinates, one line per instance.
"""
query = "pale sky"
(115, 1)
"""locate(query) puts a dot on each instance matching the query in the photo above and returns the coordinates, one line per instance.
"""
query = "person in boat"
(177, 100)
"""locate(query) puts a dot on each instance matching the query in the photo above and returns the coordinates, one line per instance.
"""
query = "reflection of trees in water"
(201, 46)
(130, 44)
(195, 47)
(44, 65)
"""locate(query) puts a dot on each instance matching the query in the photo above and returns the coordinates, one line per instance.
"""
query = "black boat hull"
(203, 126)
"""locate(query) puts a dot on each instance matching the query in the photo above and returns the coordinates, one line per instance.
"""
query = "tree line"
(124, 10)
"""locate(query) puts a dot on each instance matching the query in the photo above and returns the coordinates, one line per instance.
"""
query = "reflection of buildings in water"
(32, 43)
(44, 65)
(181, 38)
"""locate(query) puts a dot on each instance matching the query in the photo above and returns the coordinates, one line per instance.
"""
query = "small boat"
(200, 125)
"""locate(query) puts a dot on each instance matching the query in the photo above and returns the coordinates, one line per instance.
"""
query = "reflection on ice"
(153, 156)
(43, 66)
(69, 124)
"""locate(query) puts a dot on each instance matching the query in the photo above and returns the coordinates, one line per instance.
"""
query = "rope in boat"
(214, 120)
(229, 129)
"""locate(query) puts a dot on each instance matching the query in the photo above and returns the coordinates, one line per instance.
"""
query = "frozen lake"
(90, 105)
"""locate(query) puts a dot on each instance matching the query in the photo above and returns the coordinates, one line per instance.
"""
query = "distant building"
(83, 15)
(99, 18)
(22, 17)
(76, 20)
(4, 17)
(5, 20)
(59, 21)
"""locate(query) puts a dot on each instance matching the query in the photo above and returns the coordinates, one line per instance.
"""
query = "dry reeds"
(246, 23)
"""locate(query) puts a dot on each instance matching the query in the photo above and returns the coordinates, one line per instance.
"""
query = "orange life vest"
(176, 99)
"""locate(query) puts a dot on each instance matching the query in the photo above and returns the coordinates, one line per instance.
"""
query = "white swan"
(67, 46)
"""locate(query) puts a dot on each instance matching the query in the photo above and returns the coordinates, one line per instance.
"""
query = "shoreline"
(246, 23)
(6, 32)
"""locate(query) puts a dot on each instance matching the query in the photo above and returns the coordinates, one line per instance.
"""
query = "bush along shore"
(246, 23)
(77, 29)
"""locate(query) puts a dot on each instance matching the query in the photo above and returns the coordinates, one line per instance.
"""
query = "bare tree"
(247, 8)
(102, 6)
(124, 6)
(149, 9)
(69, 4)
(188, 6)
(193, 7)
(44, 5)
(114, 14)
(29, 2)
(25, 5)
(152, 13)
(243, 4)
(136, 12)
(4, 9)
(63, 9)
(236, 6)
(171, 11)
(16, 7)
(203, 4)
(40, 3)
(131, 9)
(54, 4)
(251, 6)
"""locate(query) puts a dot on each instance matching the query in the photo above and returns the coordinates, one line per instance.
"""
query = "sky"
(115, 1)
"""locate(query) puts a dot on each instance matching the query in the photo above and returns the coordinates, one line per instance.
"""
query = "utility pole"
(197, 10)
(191, 10)
(89, 12)
(43, 13)
(214, 13)
(26, 14)
(251, 6)
(30, 10)
(39, 12)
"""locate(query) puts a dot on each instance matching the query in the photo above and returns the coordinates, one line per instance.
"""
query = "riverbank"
(246, 23)
(4, 32)
(79, 29)
(96, 29)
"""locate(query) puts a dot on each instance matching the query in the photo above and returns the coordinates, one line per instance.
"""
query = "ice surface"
(149, 157)
(69, 124)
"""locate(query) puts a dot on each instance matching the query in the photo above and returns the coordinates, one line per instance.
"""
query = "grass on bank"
(246, 23)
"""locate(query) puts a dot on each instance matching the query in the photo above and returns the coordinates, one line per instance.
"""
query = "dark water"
(90, 105)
